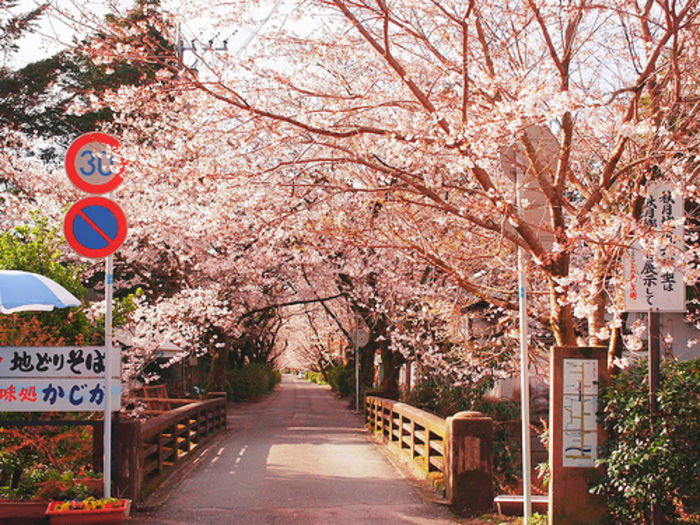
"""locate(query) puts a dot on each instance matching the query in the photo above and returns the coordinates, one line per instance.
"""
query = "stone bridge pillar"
(469, 462)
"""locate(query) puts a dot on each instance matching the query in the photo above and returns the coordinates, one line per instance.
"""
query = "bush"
(26, 453)
(442, 397)
(251, 381)
(315, 377)
(659, 464)
(342, 379)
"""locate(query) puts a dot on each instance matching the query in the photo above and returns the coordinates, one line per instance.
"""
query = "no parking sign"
(95, 227)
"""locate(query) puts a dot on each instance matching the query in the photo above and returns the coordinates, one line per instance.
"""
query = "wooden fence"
(147, 449)
(415, 432)
(458, 449)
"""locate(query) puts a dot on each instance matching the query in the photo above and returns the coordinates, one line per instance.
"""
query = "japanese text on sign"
(64, 395)
(652, 282)
(78, 361)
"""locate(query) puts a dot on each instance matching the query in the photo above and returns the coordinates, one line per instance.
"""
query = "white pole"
(524, 377)
(107, 454)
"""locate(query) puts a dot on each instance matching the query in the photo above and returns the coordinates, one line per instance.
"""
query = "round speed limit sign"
(92, 163)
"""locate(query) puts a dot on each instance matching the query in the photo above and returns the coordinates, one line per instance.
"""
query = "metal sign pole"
(654, 359)
(524, 377)
(107, 454)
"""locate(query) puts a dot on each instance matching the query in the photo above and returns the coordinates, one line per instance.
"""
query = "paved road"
(298, 457)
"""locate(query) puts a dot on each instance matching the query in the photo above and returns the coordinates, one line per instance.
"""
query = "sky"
(52, 34)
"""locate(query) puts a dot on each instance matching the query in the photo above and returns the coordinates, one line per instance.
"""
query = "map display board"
(579, 405)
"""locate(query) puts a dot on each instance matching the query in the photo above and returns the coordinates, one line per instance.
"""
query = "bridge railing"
(147, 449)
(458, 449)
(415, 432)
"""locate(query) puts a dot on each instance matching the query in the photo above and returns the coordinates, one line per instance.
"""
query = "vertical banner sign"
(651, 281)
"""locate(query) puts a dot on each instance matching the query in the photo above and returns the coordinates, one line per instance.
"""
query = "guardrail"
(147, 449)
(459, 448)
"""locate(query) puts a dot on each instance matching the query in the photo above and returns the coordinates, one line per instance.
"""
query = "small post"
(130, 460)
(97, 446)
(654, 359)
(469, 462)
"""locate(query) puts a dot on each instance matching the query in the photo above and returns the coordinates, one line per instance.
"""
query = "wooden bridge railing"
(148, 448)
(459, 448)
(157, 400)
(416, 432)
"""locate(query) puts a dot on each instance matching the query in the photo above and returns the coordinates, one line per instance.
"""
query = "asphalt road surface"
(298, 457)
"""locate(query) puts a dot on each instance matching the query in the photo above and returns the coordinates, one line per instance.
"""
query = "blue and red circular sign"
(95, 227)
(92, 165)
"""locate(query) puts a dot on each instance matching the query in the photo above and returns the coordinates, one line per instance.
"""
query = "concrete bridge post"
(469, 462)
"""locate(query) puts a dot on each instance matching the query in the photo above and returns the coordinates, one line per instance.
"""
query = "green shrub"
(659, 463)
(251, 381)
(507, 441)
(442, 397)
(342, 379)
(315, 377)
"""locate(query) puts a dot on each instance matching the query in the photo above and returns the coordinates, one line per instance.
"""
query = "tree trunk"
(322, 368)
(216, 381)
(562, 315)
(391, 362)
(16, 475)
(596, 319)
(367, 365)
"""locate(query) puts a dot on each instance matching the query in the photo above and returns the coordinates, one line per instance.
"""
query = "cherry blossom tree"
(381, 126)
(413, 103)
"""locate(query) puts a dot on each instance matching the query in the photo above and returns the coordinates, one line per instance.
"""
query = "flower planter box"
(112, 516)
(22, 510)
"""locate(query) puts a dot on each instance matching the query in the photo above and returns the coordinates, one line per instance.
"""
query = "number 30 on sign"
(92, 164)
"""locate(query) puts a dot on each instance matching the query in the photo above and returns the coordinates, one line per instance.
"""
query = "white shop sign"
(60, 395)
(54, 362)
